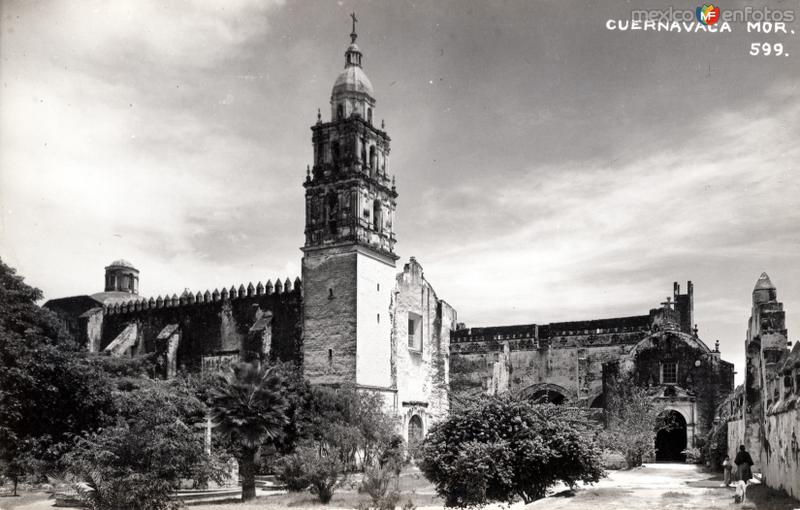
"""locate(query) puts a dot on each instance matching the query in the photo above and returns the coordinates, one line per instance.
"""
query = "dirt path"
(657, 487)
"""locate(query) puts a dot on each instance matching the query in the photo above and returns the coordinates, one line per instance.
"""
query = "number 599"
(766, 49)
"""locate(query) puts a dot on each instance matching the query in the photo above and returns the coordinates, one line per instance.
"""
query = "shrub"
(137, 462)
(323, 476)
(500, 449)
(393, 456)
(693, 455)
(376, 483)
(291, 470)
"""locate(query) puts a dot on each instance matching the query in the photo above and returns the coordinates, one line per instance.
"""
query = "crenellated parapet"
(286, 286)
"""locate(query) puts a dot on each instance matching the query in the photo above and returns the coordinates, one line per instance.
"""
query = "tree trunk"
(247, 470)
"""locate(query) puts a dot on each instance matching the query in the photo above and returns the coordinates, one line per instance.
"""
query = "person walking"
(727, 465)
(743, 462)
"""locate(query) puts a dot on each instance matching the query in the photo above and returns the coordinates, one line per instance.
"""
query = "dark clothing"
(744, 461)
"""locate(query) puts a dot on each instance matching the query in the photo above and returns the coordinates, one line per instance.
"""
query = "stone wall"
(421, 374)
(227, 322)
(330, 321)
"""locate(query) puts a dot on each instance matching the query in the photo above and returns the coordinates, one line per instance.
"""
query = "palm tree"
(248, 404)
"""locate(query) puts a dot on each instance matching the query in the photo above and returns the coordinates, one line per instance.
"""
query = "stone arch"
(672, 439)
(546, 392)
(650, 341)
(598, 401)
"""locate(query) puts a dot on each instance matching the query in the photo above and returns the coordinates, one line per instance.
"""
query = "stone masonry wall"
(421, 374)
(223, 323)
(330, 320)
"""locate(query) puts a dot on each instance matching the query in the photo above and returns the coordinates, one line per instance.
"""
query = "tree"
(501, 448)
(632, 419)
(50, 390)
(138, 461)
(347, 422)
(248, 405)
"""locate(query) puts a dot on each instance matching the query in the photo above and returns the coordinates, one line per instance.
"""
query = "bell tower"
(348, 257)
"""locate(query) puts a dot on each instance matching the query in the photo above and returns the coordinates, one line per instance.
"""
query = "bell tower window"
(376, 216)
(372, 159)
(339, 111)
(335, 152)
(369, 116)
(333, 213)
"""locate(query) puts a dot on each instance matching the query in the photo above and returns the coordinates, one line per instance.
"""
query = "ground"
(664, 487)
(654, 486)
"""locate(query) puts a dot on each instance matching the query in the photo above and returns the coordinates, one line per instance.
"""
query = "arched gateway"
(671, 439)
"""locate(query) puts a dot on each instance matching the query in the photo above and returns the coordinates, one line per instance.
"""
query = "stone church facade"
(574, 363)
(356, 318)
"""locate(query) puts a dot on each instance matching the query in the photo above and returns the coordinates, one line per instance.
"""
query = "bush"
(323, 476)
(693, 455)
(393, 455)
(291, 470)
(500, 449)
(137, 462)
(376, 483)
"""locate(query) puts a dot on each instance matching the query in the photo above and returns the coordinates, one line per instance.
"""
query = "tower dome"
(352, 93)
(122, 276)
(352, 79)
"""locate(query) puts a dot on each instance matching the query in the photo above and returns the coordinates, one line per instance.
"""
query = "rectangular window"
(669, 373)
(414, 331)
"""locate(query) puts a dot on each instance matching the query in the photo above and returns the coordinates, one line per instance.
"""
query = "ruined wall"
(421, 374)
(782, 460)
(214, 323)
(568, 356)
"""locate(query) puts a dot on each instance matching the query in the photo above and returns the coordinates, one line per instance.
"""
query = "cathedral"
(357, 318)
(354, 318)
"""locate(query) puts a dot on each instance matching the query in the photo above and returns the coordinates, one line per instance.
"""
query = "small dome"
(121, 263)
(764, 283)
(353, 79)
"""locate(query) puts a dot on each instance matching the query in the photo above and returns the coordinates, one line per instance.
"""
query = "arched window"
(333, 212)
(369, 116)
(339, 111)
(335, 152)
(372, 158)
(363, 153)
(377, 222)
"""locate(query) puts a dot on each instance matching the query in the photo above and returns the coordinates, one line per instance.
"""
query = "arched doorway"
(545, 393)
(671, 438)
(547, 397)
(415, 433)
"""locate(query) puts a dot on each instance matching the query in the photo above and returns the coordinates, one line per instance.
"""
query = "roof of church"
(111, 298)
(353, 79)
(121, 263)
(764, 283)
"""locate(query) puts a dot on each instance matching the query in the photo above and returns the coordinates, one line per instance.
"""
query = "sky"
(548, 168)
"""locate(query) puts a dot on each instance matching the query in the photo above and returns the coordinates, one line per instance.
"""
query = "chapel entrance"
(671, 438)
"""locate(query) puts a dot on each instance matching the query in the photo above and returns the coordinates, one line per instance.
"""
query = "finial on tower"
(319, 116)
(353, 34)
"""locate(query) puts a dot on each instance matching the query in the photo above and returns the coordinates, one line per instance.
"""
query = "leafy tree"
(501, 448)
(138, 461)
(632, 418)
(249, 405)
(50, 391)
(347, 422)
